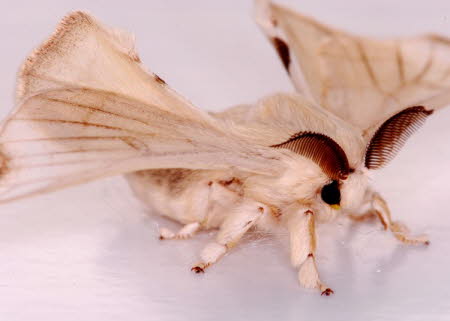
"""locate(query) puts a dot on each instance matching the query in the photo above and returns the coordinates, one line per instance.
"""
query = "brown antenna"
(392, 135)
(322, 150)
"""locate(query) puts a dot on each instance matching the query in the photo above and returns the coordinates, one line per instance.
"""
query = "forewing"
(362, 80)
(82, 52)
(87, 109)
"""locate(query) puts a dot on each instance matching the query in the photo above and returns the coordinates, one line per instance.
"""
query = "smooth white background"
(91, 252)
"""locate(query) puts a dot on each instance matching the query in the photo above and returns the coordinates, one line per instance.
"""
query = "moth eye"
(331, 194)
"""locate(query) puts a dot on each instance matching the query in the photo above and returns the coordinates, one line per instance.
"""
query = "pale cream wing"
(83, 52)
(64, 137)
(362, 80)
(87, 109)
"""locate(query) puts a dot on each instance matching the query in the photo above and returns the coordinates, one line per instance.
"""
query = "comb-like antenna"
(392, 135)
(322, 150)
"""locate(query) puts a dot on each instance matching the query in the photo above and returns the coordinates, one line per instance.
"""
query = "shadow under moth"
(87, 109)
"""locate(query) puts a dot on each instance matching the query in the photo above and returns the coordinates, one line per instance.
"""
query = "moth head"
(390, 137)
(382, 148)
(346, 193)
(384, 145)
(347, 187)
(329, 156)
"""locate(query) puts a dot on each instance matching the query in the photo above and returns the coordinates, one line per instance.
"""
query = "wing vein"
(67, 138)
(400, 62)
(83, 124)
(73, 151)
(366, 62)
(95, 109)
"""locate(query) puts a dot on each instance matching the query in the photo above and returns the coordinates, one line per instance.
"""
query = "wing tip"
(67, 23)
(75, 21)
(266, 12)
(263, 14)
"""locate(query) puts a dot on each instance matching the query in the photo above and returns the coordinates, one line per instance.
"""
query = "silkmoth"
(87, 109)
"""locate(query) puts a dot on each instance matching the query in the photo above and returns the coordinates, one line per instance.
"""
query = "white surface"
(90, 253)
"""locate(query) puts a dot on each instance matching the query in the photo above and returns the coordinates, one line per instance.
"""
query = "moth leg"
(303, 247)
(368, 216)
(400, 231)
(231, 230)
(187, 231)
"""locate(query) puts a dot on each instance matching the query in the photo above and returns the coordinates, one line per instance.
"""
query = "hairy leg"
(185, 232)
(232, 229)
(303, 247)
(400, 231)
(368, 216)
(199, 207)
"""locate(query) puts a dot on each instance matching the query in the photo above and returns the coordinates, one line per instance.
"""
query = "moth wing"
(83, 52)
(362, 80)
(65, 137)
(76, 123)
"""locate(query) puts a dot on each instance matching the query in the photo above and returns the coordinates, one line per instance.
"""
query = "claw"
(165, 234)
(198, 269)
(327, 292)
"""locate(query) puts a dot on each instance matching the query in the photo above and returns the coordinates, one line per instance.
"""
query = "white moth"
(88, 109)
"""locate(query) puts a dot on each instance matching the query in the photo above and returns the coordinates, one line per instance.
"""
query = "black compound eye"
(331, 194)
